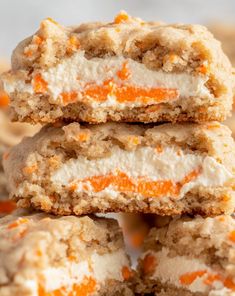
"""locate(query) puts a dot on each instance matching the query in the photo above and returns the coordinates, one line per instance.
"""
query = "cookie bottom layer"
(183, 110)
(218, 201)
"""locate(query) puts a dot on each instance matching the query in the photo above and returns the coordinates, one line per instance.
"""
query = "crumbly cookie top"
(175, 46)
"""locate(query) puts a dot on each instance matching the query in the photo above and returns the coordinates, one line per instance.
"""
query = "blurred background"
(20, 18)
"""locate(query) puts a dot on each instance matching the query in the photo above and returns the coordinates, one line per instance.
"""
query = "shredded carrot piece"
(124, 73)
(7, 206)
(29, 169)
(126, 273)
(37, 40)
(211, 278)
(229, 283)
(73, 187)
(147, 188)
(83, 136)
(39, 84)
(28, 52)
(159, 148)
(203, 69)
(4, 99)
(73, 44)
(85, 289)
(172, 57)
(122, 17)
(189, 277)
(232, 236)
(149, 264)
(69, 97)
(127, 93)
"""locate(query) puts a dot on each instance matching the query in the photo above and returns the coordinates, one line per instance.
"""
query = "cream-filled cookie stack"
(104, 92)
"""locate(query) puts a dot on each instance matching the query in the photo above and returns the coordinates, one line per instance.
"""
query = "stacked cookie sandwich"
(103, 91)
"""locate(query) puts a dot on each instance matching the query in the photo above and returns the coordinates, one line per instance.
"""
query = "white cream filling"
(170, 269)
(99, 267)
(73, 73)
(169, 164)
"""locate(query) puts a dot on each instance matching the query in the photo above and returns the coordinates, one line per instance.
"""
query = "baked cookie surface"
(189, 256)
(126, 70)
(43, 255)
(166, 169)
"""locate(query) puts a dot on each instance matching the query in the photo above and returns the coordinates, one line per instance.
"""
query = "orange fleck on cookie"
(134, 140)
(122, 17)
(7, 206)
(126, 93)
(229, 283)
(159, 148)
(124, 73)
(145, 187)
(73, 44)
(73, 187)
(203, 69)
(18, 222)
(211, 278)
(189, 277)
(126, 273)
(4, 99)
(28, 52)
(149, 264)
(30, 169)
(69, 97)
(232, 236)
(83, 136)
(39, 84)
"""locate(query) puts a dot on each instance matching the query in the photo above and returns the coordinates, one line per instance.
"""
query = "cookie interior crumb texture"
(189, 256)
(46, 255)
(166, 169)
(125, 70)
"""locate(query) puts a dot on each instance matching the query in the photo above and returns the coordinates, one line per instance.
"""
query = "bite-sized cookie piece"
(43, 255)
(166, 169)
(126, 70)
(189, 256)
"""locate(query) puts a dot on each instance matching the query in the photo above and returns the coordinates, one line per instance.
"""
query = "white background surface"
(21, 18)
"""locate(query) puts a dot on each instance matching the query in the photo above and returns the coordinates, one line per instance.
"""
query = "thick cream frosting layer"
(188, 273)
(144, 168)
(111, 81)
(94, 272)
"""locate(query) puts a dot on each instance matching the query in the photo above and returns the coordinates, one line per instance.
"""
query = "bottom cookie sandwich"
(42, 255)
(189, 257)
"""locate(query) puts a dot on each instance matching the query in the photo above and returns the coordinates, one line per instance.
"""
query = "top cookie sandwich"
(126, 70)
